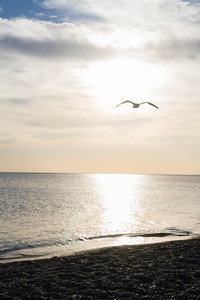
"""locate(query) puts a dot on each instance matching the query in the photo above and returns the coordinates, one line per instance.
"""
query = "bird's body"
(136, 105)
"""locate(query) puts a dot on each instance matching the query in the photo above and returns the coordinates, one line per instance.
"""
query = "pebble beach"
(169, 270)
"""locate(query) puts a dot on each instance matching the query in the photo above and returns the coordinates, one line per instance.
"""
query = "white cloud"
(129, 11)
(46, 39)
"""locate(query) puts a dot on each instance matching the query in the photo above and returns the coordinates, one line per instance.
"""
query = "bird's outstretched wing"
(125, 102)
(150, 104)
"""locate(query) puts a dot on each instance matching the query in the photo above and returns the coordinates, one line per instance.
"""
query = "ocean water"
(58, 214)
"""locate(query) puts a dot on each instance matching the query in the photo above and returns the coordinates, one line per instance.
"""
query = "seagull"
(136, 105)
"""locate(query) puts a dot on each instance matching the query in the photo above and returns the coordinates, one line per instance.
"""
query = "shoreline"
(167, 270)
(131, 240)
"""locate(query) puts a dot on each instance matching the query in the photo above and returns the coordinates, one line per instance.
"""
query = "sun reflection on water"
(120, 202)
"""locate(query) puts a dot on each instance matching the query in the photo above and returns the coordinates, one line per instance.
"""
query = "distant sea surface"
(44, 215)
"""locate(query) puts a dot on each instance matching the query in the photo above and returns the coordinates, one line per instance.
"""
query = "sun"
(119, 79)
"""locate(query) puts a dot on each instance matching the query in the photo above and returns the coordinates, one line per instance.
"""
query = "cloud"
(173, 49)
(128, 11)
(5, 141)
(55, 49)
(49, 40)
(69, 10)
(164, 28)
(16, 101)
(42, 15)
(47, 94)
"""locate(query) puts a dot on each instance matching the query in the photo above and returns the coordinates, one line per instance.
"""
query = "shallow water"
(56, 214)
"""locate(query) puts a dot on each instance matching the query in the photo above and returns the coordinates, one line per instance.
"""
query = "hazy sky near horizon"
(66, 64)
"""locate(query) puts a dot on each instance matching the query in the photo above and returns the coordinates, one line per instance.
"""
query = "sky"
(66, 64)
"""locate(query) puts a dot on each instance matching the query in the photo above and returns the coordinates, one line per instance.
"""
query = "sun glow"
(119, 201)
(120, 79)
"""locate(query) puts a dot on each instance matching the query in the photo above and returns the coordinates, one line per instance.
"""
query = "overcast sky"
(66, 64)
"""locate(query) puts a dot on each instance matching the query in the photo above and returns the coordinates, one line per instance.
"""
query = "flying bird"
(136, 105)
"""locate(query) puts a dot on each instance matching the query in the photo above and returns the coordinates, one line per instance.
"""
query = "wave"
(21, 251)
(45, 248)
(175, 232)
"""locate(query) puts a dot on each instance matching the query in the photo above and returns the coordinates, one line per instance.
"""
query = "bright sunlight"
(114, 81)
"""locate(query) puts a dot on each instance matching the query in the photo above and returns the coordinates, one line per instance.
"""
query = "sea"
(44, 215)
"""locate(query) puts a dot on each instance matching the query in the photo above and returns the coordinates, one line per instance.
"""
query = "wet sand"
(156, 271)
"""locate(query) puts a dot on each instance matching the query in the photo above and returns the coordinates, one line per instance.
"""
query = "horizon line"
(100, 173)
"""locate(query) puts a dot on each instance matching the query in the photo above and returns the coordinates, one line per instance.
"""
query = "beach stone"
(157, 271)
